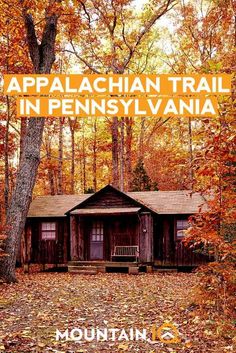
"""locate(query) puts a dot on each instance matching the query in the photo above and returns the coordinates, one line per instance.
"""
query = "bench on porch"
(125, 252)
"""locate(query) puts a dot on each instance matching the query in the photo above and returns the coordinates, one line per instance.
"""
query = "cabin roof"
(54, 205)
(160, 202)
(171, 202)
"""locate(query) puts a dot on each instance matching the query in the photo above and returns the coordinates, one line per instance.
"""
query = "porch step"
(102, 264)
(89, 270)
(84, 267)
(161, 270)
(94, 267)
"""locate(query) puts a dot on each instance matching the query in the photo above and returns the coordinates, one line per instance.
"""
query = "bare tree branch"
(164, 9)
(85, 11)
(82, 59)
(157, 125)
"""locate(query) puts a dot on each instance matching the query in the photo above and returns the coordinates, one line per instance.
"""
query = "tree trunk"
(21, 197)
(49, 160)
(6, 161)
(128, 156)
(141, 139)
(95, 156)
(190, 153)
(115, 153)
(60, 158)
(6, 142)
(23, 129)
(84, 159)
(122, 154)
(42, 56)
(72, 124)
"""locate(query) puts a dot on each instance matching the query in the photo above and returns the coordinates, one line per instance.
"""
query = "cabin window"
(97, 231)
(181, 226)
(48, 230)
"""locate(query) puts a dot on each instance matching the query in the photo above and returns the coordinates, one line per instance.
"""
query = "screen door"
(96, 241)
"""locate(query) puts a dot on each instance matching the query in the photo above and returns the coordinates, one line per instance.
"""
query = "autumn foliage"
(80, 155)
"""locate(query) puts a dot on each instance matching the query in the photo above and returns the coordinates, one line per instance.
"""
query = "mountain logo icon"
(168, 333)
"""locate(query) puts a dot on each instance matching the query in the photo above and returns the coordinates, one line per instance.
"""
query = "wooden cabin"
(111, 228)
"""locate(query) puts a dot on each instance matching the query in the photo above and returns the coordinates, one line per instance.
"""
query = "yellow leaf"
(124, 347)
(41, 344)
(188, 344)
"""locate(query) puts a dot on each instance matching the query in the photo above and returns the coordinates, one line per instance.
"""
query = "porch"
(109, 238)
(94, 267)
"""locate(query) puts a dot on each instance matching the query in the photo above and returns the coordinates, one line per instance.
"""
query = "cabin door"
(97, 240)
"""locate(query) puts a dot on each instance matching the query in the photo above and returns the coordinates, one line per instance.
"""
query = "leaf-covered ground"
(32, 310)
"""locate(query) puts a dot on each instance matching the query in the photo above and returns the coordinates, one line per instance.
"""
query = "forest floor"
(32, 310)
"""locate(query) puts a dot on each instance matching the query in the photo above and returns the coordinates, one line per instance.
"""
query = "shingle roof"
(161, 202)
(171, 202)
(54, 206)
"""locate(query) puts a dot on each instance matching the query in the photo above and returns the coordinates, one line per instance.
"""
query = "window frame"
(183, 219)
(97, 231)
(45, 231)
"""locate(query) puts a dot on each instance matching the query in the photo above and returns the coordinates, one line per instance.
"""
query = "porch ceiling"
(106, 211)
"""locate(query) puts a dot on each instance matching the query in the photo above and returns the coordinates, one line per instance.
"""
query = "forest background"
(80, 155)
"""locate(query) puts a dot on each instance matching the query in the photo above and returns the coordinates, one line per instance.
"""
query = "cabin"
(111, 229)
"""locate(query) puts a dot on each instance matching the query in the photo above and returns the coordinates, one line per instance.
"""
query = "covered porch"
(110, 237)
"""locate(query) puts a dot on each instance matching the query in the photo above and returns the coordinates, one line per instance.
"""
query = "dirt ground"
(32, 310)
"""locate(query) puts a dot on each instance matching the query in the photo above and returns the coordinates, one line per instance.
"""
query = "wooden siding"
(74, 254)
(109, 199)
(169, 251)
(146, 237)
(36, 250)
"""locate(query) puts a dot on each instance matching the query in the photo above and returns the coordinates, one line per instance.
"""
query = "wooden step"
(90, 268)
(98, 264)
(94, 267)
(85, 263)
(164, 270)
(133, 270)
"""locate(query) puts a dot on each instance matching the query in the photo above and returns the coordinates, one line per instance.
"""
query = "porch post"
(146, 237)
(81, 242)
(73, 239)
